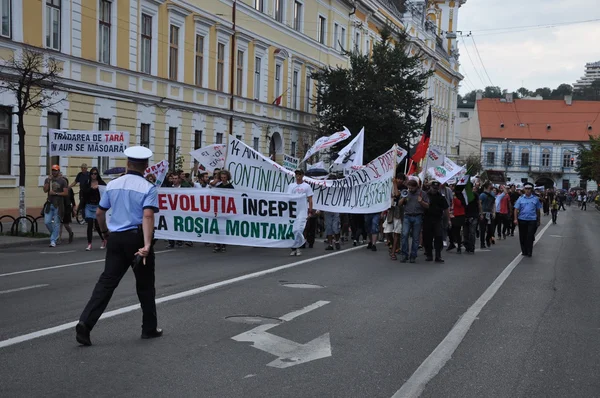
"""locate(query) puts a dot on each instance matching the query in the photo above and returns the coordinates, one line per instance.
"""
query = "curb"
(37, 242)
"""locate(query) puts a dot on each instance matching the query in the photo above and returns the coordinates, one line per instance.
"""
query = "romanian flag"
(422, 146)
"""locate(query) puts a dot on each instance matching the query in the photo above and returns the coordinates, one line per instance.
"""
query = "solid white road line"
(22, 288)
(415, 385)
(187, 293)
(69, 251)
(64, 266)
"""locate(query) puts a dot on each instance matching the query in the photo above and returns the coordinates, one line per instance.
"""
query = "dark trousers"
(503, 227)
(91, 223)
(310, 230)
(554, 215)
(561, 205)
(120, 253)
(470, 233)
(432, 236)
(357, 225)
(486, 231)
(527, 235)
(457, 224)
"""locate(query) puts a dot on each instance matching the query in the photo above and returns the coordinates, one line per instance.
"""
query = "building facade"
(592, 72)
(180, 74)
(537, 141)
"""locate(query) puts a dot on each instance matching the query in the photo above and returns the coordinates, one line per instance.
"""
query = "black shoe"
(83, 334)
(458, 251)
(370, 245)
(354, 243)
(329, 247)
(170, 247)
(337, 245)
(451, 247)
(404, 260)
(152, 334)
(71, 234)
(412, 260)
(303, 246)
(374, 248)
(310, 245)
(429, 258)
(439, 260)
(483, 246)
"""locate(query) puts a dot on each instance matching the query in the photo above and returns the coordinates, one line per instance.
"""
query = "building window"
(197, 144)
(199, 60)
(566, 184)
(220, 66)
(307, 93)
(257, 66)
(525, 157)
(239, 137)
(219, 138)
(256, 144)
(545, 158)
(368, 47)
(491, 158)
(357, 42)
(343, 39)
(52, 24)
(104, 32)
(5, 140)
(297, 16)
(53, 122)
(6, 15)
(463, 115)
(568, 159)
(146, 38)
(173, 52)
(295, 92)
(279, 10)
(293, 149)
(103, 161)
(145, 135)
(277, 81)
(172, 154)
(240, 73)
(259, 5)
(322, 30)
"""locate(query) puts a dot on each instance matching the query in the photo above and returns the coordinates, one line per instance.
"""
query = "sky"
(526, 57)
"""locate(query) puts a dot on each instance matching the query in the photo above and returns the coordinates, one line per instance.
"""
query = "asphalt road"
(375, 323)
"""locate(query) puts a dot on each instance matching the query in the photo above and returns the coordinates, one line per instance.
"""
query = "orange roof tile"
(528, 119)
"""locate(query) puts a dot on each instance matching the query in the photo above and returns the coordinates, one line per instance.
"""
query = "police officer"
(133, 201)
(527, 216)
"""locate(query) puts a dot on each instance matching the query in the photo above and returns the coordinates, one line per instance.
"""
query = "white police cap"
(138, 153)
(528, 185)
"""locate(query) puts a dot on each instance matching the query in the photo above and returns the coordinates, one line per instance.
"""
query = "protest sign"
(367, 190)
(159, 170)
(290, 162)
(351, 156)
(435, 158)
(326, 142)
(211, 157)
(87, 143)
(225, 216)
(445, 171)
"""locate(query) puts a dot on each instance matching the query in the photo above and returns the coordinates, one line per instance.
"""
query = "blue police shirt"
(130, 195)
(528, 207)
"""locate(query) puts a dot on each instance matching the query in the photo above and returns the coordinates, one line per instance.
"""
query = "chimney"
(479, 95)
(569, 100)
(509, 97)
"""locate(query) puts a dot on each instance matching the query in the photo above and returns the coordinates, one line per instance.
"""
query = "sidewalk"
(7, 241)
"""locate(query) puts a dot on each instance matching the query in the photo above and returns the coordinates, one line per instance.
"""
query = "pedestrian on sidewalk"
(527, 216)
(133, 201)
(57, 189)
(91, 198)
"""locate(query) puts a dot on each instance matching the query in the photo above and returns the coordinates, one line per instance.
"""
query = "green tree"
(588, 160)
(523, 92)
(562, 90)
(545, 92)
(492, 92)
(381, 91)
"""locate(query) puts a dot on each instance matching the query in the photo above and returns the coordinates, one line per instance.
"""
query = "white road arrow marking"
(289, 352)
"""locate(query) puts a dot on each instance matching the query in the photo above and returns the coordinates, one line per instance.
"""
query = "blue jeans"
(411, 227)
(53, 228)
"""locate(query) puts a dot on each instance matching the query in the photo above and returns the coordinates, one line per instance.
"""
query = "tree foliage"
(381, 91)
(588, 160)
(33, 79)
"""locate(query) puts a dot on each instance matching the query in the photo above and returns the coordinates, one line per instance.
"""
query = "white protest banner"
(400, 154)
(445, 171)
(435, 158)
(227, 216)
(211, 157)
(326, 142)
(351, 156)
(367, 190)
(290, 162)
(318, 165)
(159, 170)
(88, 143)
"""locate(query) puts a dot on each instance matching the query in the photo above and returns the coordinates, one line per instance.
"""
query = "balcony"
(546, 169)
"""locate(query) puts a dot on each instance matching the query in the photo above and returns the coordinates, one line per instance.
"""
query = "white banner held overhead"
(227, 216)
(367, 190)
(326, 142)
(88, 143)
(435, 158)
(211, 157)
(351, 156)
(159, 170)
(445, 171)
(290, 162)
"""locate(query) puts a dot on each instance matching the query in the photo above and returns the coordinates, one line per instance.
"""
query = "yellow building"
(181, 74)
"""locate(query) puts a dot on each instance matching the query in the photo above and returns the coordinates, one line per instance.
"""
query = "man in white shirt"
(202, 180)
(299, 187)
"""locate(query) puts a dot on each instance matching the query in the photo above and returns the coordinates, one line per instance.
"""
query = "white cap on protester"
(138, 153)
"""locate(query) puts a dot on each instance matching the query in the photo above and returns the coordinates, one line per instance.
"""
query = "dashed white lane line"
(187, 293)
(68, 251)
(64, 266)
(415, 385)
(22, 288)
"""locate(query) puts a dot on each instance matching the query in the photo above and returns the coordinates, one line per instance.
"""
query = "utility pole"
(232, 67)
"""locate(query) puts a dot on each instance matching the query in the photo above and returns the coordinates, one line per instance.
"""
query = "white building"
(592, 72)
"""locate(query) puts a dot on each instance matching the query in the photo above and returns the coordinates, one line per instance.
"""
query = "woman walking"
(458, 218)
(224, 183)
(91, 198)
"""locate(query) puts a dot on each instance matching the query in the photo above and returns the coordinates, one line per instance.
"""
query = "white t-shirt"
(198, 185)
(303, 189)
